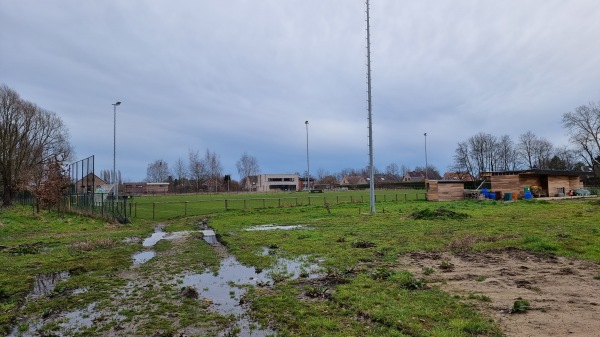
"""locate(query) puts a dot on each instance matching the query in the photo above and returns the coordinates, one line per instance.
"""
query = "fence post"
(185, 208)
(226, 204)
(279, 202)
(153, 207)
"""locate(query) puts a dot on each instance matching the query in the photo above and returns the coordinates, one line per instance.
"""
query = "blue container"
(492, 195)
(528, 195)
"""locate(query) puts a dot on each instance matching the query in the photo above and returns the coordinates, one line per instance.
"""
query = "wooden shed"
(547, 183)
(445, 190)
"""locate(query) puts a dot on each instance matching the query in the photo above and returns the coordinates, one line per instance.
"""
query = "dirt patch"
(563, 296)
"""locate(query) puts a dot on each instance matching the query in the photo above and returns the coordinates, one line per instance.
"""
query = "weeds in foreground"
(519, 306)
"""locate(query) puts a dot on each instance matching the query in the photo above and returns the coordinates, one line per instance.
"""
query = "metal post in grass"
(153, 208)
(185, 208)
(226, 204)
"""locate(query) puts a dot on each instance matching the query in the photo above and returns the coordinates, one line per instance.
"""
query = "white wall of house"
(273, 182)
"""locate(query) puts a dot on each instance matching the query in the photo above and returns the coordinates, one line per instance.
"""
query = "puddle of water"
(248, 329)
(224, 288)
(158, 235)
(272, 227)
(77, 320)
(143, 257)
(210, 236)
(45, 283)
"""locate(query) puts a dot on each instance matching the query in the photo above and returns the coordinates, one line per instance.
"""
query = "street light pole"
(426, 165)
(115, 179)
(307, 161)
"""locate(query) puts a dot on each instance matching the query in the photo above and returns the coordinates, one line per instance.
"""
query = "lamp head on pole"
(425, 134)
(306, 122)
(117, 104)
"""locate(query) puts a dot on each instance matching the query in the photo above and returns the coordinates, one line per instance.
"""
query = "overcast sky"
(236, 76)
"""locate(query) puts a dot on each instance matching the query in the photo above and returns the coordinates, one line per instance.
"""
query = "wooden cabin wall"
(557, 182)
(451, 191)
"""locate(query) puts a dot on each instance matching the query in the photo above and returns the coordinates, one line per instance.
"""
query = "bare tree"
(483, 151)
(214, 168)
(567, 157)
(583, 126)
(157, 172)
(197, 169)
(462, 160)
(432, 172)
(393, 171)
(31, 137)
(247, 166)
(403, 170)
(507, 154)
(181, 173)
(526, 148)
(542, 153)
(321, 174)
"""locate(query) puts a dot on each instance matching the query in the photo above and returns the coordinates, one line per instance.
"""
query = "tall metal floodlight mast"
(115, 179)
(371, 167)
(307, 161)
(426, 165)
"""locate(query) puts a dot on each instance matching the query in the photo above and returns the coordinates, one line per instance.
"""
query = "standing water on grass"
(225, 287)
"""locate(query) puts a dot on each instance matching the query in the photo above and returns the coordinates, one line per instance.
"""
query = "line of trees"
(485, 152)
(198, 174)
(35, 146)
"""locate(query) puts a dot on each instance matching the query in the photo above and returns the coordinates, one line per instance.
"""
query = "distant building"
(146, 188)
(273, 182)
(464, 176)
(90, 183)
(353, 180)
(414, 176)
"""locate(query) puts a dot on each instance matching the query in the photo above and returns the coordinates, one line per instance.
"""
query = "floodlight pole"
(426, 166)
(370, 106)
(307, 161)
(115, 179)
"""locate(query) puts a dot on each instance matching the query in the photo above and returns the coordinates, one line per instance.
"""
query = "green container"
(526, 189)
(508, 196)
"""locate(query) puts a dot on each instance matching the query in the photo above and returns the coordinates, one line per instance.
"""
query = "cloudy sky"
(236, 76)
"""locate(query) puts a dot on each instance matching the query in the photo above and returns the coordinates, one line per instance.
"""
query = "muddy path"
(563, 293)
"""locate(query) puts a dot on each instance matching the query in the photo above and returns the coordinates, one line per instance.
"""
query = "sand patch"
(564, 297)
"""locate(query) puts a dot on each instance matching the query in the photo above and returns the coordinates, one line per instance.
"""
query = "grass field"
(361, 290)
(157, 208)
